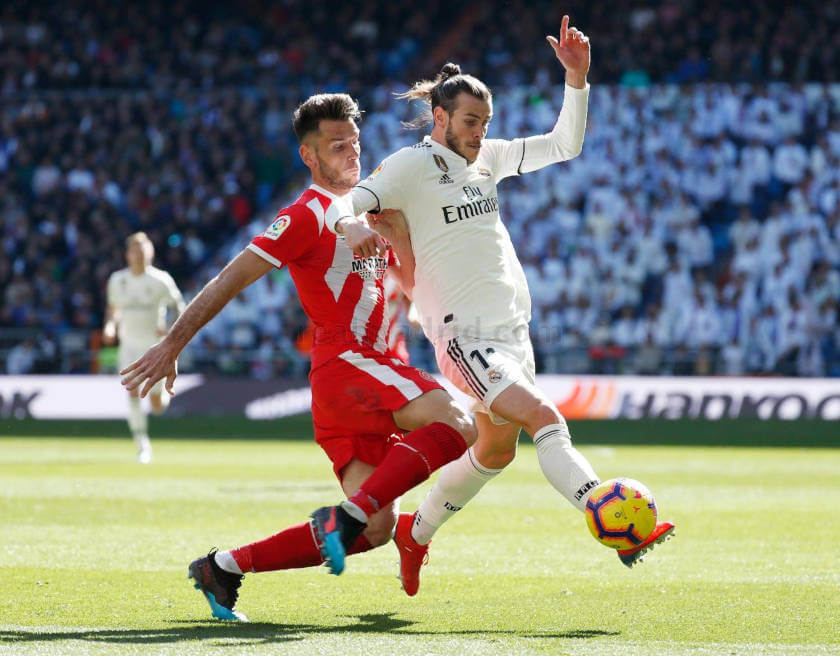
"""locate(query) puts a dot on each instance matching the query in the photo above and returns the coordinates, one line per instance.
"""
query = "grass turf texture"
(95, 548)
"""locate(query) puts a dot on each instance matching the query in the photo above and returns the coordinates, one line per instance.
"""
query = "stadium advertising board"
(578, 397)
(70, 397)
(639, 397)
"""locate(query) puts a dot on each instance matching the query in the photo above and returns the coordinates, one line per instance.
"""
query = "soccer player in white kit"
(138, 299)
(470, 288)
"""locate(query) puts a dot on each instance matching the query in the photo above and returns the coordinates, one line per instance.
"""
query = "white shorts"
(128, 353)
(484, 368)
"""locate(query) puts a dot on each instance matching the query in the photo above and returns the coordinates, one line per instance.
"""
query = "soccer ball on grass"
(621, 513)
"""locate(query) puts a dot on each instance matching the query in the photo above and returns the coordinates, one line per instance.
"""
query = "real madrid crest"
(441, 163)
(494, 376)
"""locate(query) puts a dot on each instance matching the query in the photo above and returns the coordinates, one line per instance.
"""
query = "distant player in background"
(471, 291)
(138, 298)
(363, 397)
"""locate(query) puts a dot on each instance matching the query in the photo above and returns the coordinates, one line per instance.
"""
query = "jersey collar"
(440, 149)
(325, 192)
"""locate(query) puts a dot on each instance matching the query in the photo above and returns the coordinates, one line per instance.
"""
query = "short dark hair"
(323, 106)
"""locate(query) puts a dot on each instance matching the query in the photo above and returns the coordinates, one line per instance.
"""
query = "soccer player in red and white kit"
(470, 289)
(363, 398)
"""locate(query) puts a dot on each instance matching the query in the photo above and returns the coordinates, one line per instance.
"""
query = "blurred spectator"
(704, 218)
(21, 358)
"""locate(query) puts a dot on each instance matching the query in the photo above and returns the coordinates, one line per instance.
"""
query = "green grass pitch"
(94, 554)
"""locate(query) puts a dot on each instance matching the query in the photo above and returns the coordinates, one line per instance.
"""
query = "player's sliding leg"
(219, 574)
(408, 463)
(139, 426)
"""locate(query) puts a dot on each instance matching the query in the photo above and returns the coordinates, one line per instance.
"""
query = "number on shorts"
(476, 355)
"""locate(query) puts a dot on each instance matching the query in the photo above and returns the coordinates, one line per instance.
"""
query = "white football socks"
(563, 465)
(458, 482)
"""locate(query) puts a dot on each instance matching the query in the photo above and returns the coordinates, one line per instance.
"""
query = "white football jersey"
(140, 302)
(468, 280)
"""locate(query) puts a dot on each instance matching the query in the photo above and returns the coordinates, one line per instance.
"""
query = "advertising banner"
(577, 397)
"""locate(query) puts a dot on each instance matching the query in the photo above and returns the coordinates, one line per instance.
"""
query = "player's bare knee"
(542, 414)
(497, 459)
(458, 419)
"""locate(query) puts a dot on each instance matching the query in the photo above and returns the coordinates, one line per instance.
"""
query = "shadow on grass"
(266, 632)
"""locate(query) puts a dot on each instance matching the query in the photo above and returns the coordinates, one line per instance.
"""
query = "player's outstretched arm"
(160, 361)
(572, 49)
(565, 141)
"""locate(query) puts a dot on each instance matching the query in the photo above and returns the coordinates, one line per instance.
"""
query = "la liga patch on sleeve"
(376, 171)
(278, 227)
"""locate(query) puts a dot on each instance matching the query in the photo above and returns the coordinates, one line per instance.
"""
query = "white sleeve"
(564, 142)
(339, 209)
(388, 187)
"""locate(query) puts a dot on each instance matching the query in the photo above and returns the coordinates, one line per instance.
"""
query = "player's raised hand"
(363, 240)
(572, 49)
(155, 364)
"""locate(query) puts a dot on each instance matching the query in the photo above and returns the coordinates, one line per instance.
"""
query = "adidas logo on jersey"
(445, 179)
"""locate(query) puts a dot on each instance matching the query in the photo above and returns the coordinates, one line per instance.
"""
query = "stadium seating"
(699, 231)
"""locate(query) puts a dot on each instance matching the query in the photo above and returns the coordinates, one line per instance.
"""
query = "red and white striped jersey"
(341, 294)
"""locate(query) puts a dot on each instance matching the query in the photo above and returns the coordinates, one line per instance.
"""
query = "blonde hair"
(143, 239)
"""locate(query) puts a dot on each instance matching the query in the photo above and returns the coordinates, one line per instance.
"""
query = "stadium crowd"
(699, 231)
(664, 41)
(172, 118)
(157, 45)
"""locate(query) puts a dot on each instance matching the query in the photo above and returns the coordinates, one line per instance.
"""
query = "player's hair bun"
(449, 70)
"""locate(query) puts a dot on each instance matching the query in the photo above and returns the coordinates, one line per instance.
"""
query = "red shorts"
(354, 396)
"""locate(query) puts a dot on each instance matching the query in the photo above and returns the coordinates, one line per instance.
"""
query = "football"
(621, 513)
